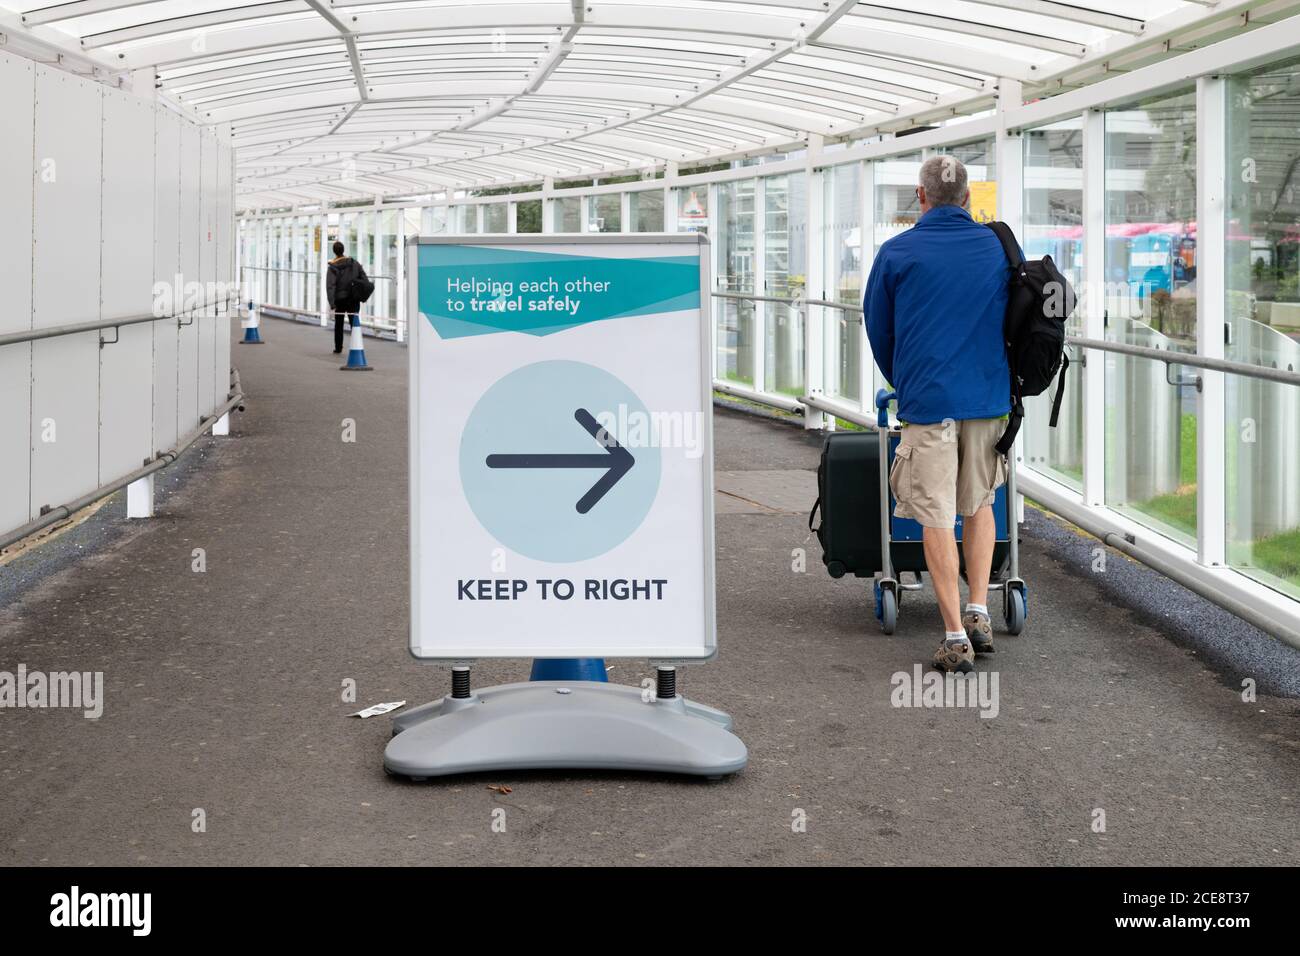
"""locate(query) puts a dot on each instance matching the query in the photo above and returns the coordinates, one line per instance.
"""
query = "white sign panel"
(561, 447)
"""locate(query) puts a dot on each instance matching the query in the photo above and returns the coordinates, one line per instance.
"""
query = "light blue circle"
(533, 511)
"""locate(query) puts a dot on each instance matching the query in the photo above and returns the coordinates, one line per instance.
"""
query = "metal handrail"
(302, 272)
(788, 300)
(1169, 357)
(54, 331)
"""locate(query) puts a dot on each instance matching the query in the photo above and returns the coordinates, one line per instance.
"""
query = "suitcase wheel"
(886, 609)
(835, 568)
(1015, 610)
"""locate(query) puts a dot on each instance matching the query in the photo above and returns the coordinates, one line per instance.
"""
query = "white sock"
(982, 608)
(954, 636)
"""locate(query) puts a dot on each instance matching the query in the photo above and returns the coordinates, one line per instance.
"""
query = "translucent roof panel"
(336, 99)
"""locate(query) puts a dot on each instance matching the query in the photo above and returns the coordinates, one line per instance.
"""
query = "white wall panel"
(166, 252)
(127, 257)
(225, 270)
(18, 80)
(65, 371)
(207, 240)
(187, 393)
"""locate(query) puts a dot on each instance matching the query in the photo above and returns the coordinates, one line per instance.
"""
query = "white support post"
(400, 318)
(867, 244)
(1211, 256)
(326, 253)
(625, 212)
(512, 218)
(1009, 154)
(1094, 307)
(221, 427)
(715, 270)
(139, 497)
(760, 285)
(829, 319)
(814, 353)
(670, 201)
(548, 204)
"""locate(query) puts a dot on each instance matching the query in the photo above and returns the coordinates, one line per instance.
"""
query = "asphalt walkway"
(223, 689)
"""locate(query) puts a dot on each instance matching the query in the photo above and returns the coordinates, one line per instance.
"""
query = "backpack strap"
(1009, 245)
(1060, 390)
(1011, 249)
(1013, 427)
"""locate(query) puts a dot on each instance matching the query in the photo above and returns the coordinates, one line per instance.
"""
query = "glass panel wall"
(735, 318)
(980, 160)
(692, 209)
(433, 221)
(390, 238)
(646, 210)
(464, 220)
(495, 217)
(313, 265)
(528, 216)
(1262, 312)
(605, 213)
(566, 214)
(785, 274)
(842, 237)
(364, 253)
(896, 208)
(1053, 226)
(1151, 301)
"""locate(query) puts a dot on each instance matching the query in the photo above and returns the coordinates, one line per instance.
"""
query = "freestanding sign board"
(561, 460)
(561, 490)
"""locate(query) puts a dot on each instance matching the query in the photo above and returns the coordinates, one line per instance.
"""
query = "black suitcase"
(848, 496)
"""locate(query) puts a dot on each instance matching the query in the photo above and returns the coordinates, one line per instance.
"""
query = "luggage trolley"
(901, 548)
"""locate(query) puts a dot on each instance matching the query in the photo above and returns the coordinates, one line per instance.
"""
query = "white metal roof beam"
(191, 22)
(79, 8)
(288, 64)
(866, 58)
(953, 25)
(358, 74)
(1115, 22)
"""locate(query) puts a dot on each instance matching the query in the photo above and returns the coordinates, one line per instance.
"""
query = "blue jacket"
(934, 307)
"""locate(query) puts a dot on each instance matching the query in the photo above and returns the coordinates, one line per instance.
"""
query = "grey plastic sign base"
(550, 725)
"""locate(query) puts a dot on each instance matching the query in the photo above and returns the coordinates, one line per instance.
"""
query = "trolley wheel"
(835, 569)
(1014, 611)
(888, 610)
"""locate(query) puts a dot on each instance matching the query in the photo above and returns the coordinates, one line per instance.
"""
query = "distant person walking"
(934, 304)
(343, 300)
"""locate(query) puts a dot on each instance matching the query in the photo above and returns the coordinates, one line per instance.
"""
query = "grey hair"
(944, 180)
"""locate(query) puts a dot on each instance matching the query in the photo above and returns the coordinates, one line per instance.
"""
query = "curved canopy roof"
(342, 99)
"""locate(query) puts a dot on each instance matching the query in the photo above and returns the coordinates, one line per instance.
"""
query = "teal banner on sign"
(476, 290)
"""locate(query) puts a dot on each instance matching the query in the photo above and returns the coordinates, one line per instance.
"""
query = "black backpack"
(1039, 302)
(361, 288)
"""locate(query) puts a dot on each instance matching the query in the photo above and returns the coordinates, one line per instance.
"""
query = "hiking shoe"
(980, 631)
(955, 656)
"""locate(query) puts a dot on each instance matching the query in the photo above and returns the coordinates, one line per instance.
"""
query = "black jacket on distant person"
(338, 285)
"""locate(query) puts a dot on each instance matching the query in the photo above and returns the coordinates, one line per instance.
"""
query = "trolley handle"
(883, 398)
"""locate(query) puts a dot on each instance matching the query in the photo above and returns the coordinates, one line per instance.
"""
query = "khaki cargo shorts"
(947, 469)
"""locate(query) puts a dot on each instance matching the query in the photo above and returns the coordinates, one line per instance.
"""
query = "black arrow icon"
(616, 460)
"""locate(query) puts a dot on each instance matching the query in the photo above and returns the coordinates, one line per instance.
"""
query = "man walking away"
(934, 307)
(343, 302)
